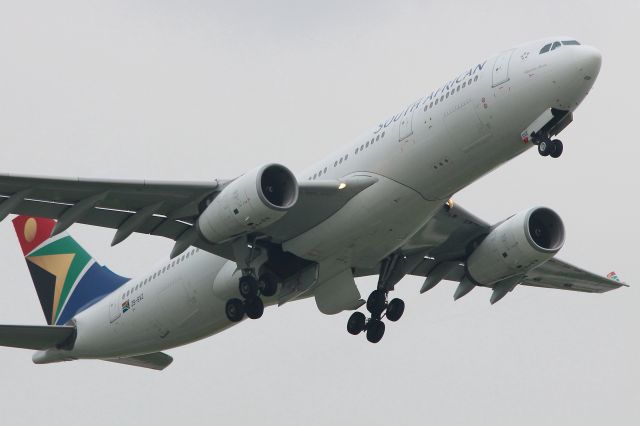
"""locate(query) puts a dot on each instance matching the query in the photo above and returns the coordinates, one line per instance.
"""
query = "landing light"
(342, 185)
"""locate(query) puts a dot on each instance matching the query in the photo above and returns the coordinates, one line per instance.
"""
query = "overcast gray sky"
(206, 89)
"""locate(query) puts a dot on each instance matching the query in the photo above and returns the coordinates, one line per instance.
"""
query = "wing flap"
(37, 337)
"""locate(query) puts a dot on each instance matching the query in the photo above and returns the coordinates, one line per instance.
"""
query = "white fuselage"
(421, 157)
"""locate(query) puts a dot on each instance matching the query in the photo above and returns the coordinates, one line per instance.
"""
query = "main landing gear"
(379, 308)
(249, 258)
(391, 272)
(251, 290)
(547, 146)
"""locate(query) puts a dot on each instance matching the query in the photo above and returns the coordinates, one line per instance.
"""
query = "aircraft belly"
(369, 227)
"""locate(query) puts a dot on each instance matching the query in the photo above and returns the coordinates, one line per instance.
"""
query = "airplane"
(381, 205)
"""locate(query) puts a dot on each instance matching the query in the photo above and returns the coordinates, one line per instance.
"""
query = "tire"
(376, 302)
(234, 310)
(268, 284)
(544, 148)
(254, 308)
(248, 287)
(356, 323)
(375, 330)
(556, 148)
(395, 310)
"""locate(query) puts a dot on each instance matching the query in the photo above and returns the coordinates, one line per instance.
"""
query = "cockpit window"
(556, 44)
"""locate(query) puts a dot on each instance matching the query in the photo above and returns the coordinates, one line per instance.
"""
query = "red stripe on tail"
(32, 231)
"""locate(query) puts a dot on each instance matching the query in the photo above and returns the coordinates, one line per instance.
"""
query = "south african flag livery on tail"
(67, 279)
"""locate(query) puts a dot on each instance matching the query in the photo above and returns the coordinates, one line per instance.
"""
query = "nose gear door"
(501, 68)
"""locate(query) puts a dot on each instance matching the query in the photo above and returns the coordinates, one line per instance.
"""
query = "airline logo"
(613, 276)
(67, 279)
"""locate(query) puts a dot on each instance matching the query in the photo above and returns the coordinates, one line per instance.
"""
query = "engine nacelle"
(253, 201)
(517, 245)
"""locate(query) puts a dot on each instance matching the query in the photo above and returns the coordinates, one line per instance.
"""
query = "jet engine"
(253, 201)
(517, 245)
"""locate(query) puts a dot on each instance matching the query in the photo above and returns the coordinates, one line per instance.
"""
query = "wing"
(449, 236)
(167, 209)
(34, 336)
(561, 275)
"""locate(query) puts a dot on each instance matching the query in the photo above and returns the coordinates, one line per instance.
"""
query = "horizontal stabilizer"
(37, 337)
(155, 361)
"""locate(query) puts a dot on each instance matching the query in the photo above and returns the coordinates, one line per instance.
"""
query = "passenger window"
(325, 170)
(357, 149)
(367, 144)
(315, 175)
(335, 164)
(377, 137)
(346, 156)
(556, 44)
(383, 134)
(340, 160)
(431, 104)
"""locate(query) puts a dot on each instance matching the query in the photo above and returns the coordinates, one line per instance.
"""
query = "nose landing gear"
(547, 146)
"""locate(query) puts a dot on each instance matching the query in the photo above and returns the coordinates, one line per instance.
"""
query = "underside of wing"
(457, 246)
(171, 209)
(561, 275)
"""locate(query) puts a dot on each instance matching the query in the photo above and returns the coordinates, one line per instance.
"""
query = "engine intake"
(517, 245)
(253, 201)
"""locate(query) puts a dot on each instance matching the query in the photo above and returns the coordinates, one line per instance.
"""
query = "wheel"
(234, 310)
(556, 148)
(376, 302)
(395, 309)
(375, 330)
(544, 148)
(268, 284)
(254, 308)
(248, 287)
(356, 323)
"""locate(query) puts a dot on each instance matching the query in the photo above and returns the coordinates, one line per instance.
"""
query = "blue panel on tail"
(94, 285)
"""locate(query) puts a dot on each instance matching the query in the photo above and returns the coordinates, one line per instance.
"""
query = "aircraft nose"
(588, 60)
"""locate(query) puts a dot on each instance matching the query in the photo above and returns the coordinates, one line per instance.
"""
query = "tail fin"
(67, 279)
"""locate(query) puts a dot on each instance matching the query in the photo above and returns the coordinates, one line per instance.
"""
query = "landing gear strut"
(378, 305)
